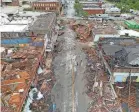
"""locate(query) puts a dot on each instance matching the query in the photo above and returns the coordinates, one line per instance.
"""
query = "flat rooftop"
(43, 22)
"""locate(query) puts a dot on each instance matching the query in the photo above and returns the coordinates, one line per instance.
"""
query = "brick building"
(94, 10)
(47, 5)
(10, 2)
(91, 2)
(93, 7)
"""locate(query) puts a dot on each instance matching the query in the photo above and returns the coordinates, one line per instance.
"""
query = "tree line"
(126, 5)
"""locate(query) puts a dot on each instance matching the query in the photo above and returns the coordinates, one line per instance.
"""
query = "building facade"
(10, 2)
(48, 6)
(94, 10)
(91, 3)
(93, 7)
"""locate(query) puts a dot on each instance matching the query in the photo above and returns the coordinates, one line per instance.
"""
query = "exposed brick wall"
(94, 11)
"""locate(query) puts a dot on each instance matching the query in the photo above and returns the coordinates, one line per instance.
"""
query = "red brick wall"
(46, 6)
(92, 11)
(97, 3)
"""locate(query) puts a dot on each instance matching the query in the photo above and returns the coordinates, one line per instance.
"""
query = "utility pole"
(129, 89)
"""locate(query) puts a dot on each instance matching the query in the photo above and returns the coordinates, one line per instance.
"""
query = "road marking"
(76, 101)
(64, 106)
(73, 88)
(76, 98)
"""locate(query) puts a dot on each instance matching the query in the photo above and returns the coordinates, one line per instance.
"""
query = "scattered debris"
(83, 30)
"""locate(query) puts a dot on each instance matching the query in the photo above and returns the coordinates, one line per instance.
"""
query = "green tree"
(76, 1)
(78, 8)
(125, 5)
(85, 14)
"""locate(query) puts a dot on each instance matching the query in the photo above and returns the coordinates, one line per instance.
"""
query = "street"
(69, 60)
(70, 9)
(69, 66)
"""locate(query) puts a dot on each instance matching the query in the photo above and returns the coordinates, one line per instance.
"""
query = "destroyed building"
(104, 30)
(19, 65)
(45, 26)
(42, 25)
(82, 29)
(120, 59)
(119, 53)
(23, 58)
(28, 25)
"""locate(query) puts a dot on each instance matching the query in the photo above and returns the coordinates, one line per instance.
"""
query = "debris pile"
(98, 86)
(128, 97)
(26, 79)
(18, 72)
(44, 83)
(61, 24)
(83, 30)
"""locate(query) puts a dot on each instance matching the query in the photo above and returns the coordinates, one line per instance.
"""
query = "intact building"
(93, 7)
(113, 11)
(47, 5)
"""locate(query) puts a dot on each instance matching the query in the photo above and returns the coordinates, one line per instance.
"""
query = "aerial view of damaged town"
(69, 55)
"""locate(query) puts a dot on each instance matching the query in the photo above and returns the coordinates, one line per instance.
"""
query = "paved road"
(70, 9)
(70, 57)
(70, 54)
